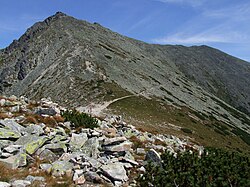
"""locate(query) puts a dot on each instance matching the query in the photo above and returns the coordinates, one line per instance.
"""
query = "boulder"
(46, 111)
(11, 125)
(4, 184)
(32, 178)
(34, 129)
(12, 148)
(153, 156)
(48, 155)
(32, 143)
(77, 141)
(113, 141)
(15, 161)
(90, 148)
(125, 146)
(20, 183)
(93, 177)
(46, 167)
(9, 134)
(60, 168)
(115, 171)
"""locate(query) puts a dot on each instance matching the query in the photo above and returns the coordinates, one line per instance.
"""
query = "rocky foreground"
(38, 145)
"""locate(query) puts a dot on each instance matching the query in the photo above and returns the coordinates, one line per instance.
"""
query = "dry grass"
(3, 115)
(154, 116)
(58, 118)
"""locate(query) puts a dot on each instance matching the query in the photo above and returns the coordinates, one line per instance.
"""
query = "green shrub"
(80, 119)
(215, 167)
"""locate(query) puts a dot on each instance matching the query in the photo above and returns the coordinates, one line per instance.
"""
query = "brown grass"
(50, 121)
(3, 115)
(31, 119)
(58, 118)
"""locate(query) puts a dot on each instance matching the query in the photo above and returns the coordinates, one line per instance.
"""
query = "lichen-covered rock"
(113, 141)
(9, 134)
(115, 171)
(4, 184)
(15, 161)
(125, 146)
(11, 125)
(77, 141)
(32, 143)
(60, 168)
(90, 148)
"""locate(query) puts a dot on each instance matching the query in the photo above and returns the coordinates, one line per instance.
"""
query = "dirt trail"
(96, 109)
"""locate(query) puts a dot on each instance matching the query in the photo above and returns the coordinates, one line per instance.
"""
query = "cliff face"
(75, 62)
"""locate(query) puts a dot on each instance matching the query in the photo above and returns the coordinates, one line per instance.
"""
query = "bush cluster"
(80, 119)
(215, 167)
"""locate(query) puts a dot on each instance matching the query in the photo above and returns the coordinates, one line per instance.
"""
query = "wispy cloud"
(193, 3)
(211, 36)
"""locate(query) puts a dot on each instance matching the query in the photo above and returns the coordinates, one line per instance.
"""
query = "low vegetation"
(80, 119)
(215, 167)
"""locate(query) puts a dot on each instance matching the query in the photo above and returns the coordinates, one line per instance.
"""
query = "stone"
(59, 168)
(5, 155)
(2, 102)
(127, 165)
(5, 143)
(129, 161)
(115, 171)
(125, 146)
(140, 151)
(11, 125)
(153, 156)
(32, 143)
(93, 177)
(80, 180)
(90, 148)
(142, 169)
(34, 129)
(12, 148)
(20, 183)
(46, 111)
(15, 161)
(4, 184)
(48, 155)
(113, 141)
(46, 167)
(9, 134)
(32, 178)
(109, 132)
(59, 147)
(77, 141)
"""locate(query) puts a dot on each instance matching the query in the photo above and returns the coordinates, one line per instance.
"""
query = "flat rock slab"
(59, 168)
(115, 171)
(4, 184)
(15, 161)
(78, 140)
(9, 134)
(113, 141)
(20, 183)
(32, 143)
(125, 146)
(12, 125)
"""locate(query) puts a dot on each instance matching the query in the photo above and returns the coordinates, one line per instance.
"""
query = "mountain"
(198, 91)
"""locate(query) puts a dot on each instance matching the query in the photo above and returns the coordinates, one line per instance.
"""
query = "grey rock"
(11, 125)
(113, 141)
(115, 171)
(46, 111)
(46, 167)
(34, 178)
(93, 177)
(2, 102)
(140, 151)
(20, 183)
(59, 147)
(48, 155)
(129, 161)
(34, 129)
(77, 141)
(60, 168)
(5, 143)
(9, 134)
(90, 148)
(12, 148)
(4, 184)
(153, 156)
(15, 161)
(32, 143)
(125, 146)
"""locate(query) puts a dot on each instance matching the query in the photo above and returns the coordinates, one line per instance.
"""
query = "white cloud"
(203, 38)
(193, 3)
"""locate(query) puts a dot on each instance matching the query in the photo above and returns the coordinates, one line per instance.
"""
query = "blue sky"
(223, 24)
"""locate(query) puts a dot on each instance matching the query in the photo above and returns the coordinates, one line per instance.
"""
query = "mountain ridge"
(78, 63)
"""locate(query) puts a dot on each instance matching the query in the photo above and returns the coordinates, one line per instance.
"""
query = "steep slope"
(78, 63)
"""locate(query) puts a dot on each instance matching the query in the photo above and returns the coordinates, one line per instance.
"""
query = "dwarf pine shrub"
(216, 167)
(80, 119)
